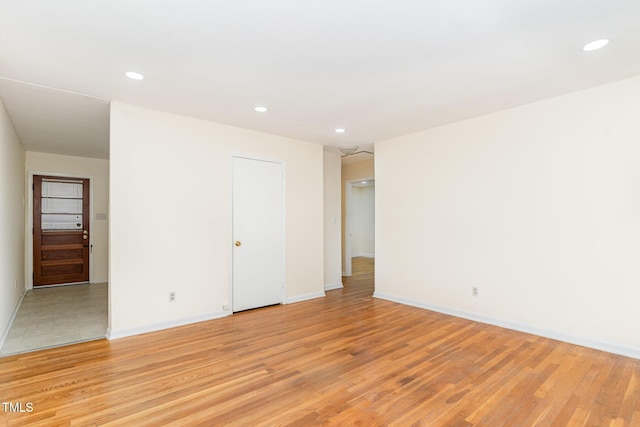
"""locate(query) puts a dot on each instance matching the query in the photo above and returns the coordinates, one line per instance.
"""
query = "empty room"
(331, 213)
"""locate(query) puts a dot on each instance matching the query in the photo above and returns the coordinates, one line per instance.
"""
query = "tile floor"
(51, 317)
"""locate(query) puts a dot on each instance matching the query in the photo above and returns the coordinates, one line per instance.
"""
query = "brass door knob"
(238, 243)
(85, 237)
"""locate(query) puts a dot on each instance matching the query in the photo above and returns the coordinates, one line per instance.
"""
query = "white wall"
(170, 198)
(332, 221)
(363, 222)
(537, 206)
(12, 271)
(98, 171)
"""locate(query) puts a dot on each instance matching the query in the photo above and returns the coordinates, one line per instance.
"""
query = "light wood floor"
(347, 359)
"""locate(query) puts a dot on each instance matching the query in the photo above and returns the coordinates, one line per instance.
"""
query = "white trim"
(306, 297)
(363, 255)
(568, 338)
(64, 284)
(229, 301)
(29, 226)
(112, 335)
(5, 334)
(283, 165)
(347, 228)
(332, 286)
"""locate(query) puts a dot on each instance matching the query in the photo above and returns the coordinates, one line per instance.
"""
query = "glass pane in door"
(61, 205)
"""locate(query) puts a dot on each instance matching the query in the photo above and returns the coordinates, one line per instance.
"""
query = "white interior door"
(258, 234)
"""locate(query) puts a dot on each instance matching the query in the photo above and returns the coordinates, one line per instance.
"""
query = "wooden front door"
(60, 230)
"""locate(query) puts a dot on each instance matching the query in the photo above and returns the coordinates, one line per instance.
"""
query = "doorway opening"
(61, 304)
(360, 221)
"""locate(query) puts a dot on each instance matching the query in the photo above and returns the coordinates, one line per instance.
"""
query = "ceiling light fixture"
(350, 150)
(133, 75)
(261, 109)
(347, 151)
(340, 130)
(595, 45)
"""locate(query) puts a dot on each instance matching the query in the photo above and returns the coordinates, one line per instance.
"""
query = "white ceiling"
(380, 69)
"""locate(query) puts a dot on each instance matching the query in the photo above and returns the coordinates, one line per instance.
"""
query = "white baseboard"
(571, 339)
(300, 298)
(121, 333)
(5, 334)
(363, 255)
(330, 287)
(115, 334)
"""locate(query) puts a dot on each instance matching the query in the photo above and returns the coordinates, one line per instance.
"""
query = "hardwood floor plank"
(346, 359)
(631, 400)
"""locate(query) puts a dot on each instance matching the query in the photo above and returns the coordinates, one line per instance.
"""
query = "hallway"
(361, 281)
(55, 316)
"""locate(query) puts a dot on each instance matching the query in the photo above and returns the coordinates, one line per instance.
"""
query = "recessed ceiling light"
(595, 45)
(133, 75)
(340, 130)
(261, 109)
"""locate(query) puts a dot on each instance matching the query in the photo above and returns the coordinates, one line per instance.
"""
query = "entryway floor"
(51, 317)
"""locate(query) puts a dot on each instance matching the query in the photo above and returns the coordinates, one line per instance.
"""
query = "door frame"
(229, 306)
(348, 271)
(29, 223)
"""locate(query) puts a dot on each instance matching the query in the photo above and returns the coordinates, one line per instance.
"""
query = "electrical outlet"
(172, 296)
(225, 307)
(474, 291)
